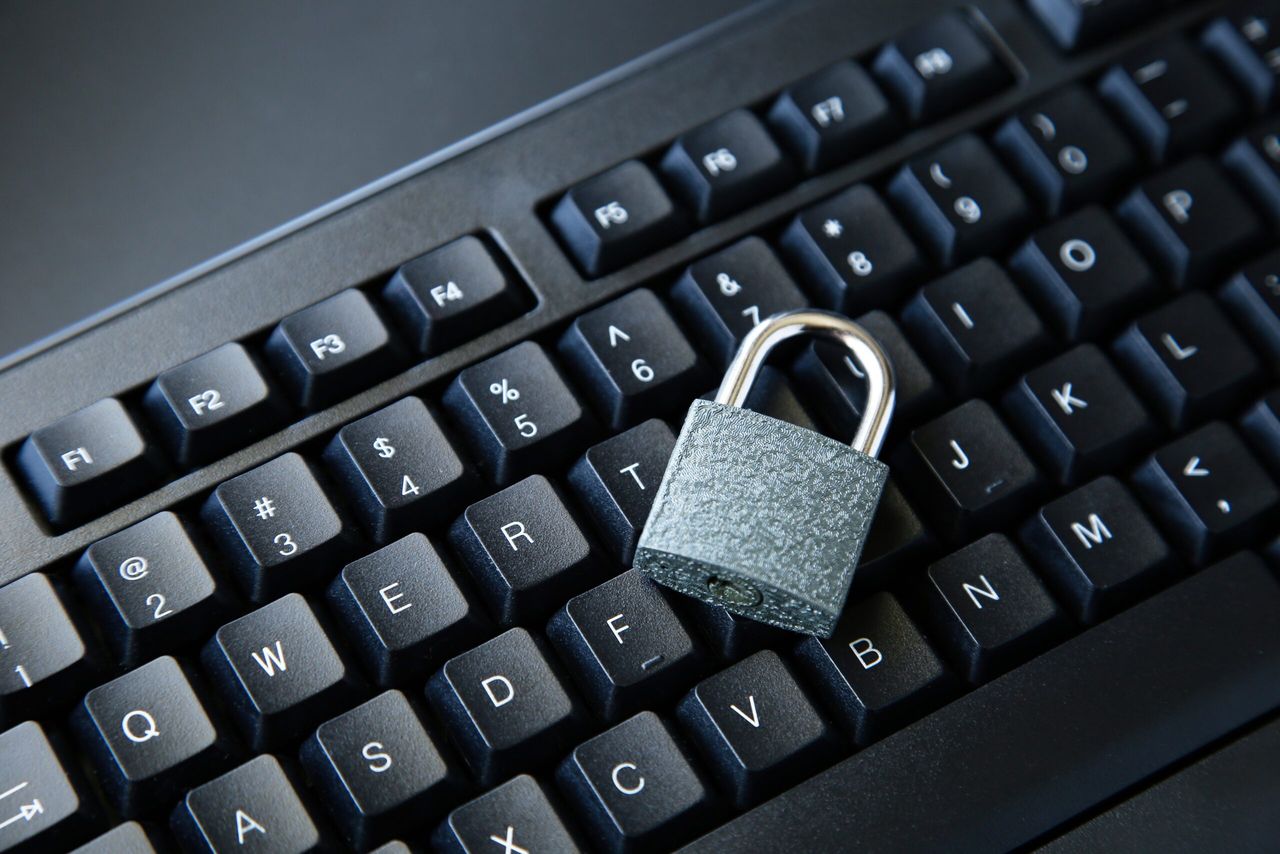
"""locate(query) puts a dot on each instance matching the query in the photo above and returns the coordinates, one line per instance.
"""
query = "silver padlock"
(761, 516)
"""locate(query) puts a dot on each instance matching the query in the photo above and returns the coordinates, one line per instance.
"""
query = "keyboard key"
(127, 838)
(1066, 148)
(212, 405)
(615, 218)
(1210, 491)
(756, 728)
(278, 671)
(877, 672)
(399, 469)
(277, 527)
(1188, 360)
(725, 166)
(39, 806)
(832, 116)
(405, 610)
(1252, 296)
(939, 67)
(1245, 44)
(897, 538)
(1261, 425)
(632, 359)
(852, 252)
(516, 412)
(451, 295)
(729, 636)
(42, 656)
(506, 708)
(86, 463)
(960, 201)
(990, 609)
(253, 808)
(1075, 25)
(636, 788)
(1098, 550)
(517, 816)
(1171, 98)
(1254, 160)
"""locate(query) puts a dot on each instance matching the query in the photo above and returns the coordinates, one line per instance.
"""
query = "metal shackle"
(867, 353)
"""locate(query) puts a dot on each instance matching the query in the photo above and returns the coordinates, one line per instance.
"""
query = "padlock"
(761, 516)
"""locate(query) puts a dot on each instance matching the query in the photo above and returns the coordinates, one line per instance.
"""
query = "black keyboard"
(327, 546)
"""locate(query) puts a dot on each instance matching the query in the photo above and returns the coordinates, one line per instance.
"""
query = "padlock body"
(761, 516)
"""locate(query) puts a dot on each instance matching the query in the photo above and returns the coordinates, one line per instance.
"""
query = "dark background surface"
(143, 137)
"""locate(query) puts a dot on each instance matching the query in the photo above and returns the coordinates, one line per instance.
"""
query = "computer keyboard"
(328, 547)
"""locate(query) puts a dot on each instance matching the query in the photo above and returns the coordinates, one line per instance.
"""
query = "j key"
(452, 294)
(405, 610)
(524, 549)
(1189, 360)
(148, 736)
(1254, 160)
(150, 588)
(41, 654)
(972, 473)
(616, 217)
(39, 805)
(1247, 43)
(960, 201)
(1079, 414)
(726, 294)
(939, 67)
(252, 808)
(632, 359)
(1191, 221)
(399, 468)
(277, 526)
(506, 708)
(832, 116)
(852, 251)
(626, 645)
(877, 671)
(517, 412)
(331, 349)
(516, 816)
(990, 608)
(1067, 149)
(1210, 491)
(278, 671)
(1075, 24)
(636, 788)
(1084, 274)
(974, 327)
(617, 480)
(1171, 98)
(756, 728)
(127, 838)
(725, 165)
(1261, 425)
(213, 404)
(86, 463)
(1252, 296)
(378, 770)
(1098, 549)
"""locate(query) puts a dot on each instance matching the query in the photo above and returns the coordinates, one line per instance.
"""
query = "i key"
(516, 816)
(40, 809)
(252, 808)
(42, 656)
(832, 116)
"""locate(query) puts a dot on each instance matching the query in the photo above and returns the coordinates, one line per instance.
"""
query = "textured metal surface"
(770, 514)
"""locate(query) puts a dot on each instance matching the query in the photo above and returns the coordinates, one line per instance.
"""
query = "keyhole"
(731, 591)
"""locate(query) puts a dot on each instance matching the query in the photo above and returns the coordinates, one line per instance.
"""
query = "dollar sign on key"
(384, 448)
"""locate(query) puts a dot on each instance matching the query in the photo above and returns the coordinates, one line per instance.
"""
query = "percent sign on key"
(505, 391)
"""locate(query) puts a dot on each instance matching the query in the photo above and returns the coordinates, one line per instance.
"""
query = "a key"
(633, 360)
(852, 252)
(517, 412)
(1098, 550)
(506, 707)
(636, 788)
(452, 294)
(524, 549)
(615, 218)
(1075, 24)
(1210, 491)
(831, 116)
(939, 67)
(279, 672)
(39, 804)
(86, 463)
(399, 469)
(42, 656)
(1254, 160)
(1246, 43)
(148, 736)
(974, 328)
(277, 526)
(1261, 424)
(725, 165)
(625, 645)
(877, 672)
(1252, 296)
(1188, 360)
(756, 728)
(517, 817)
(252, 808)
(127, 838)
(1171, 98)
(378, 770)
(405, 610)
